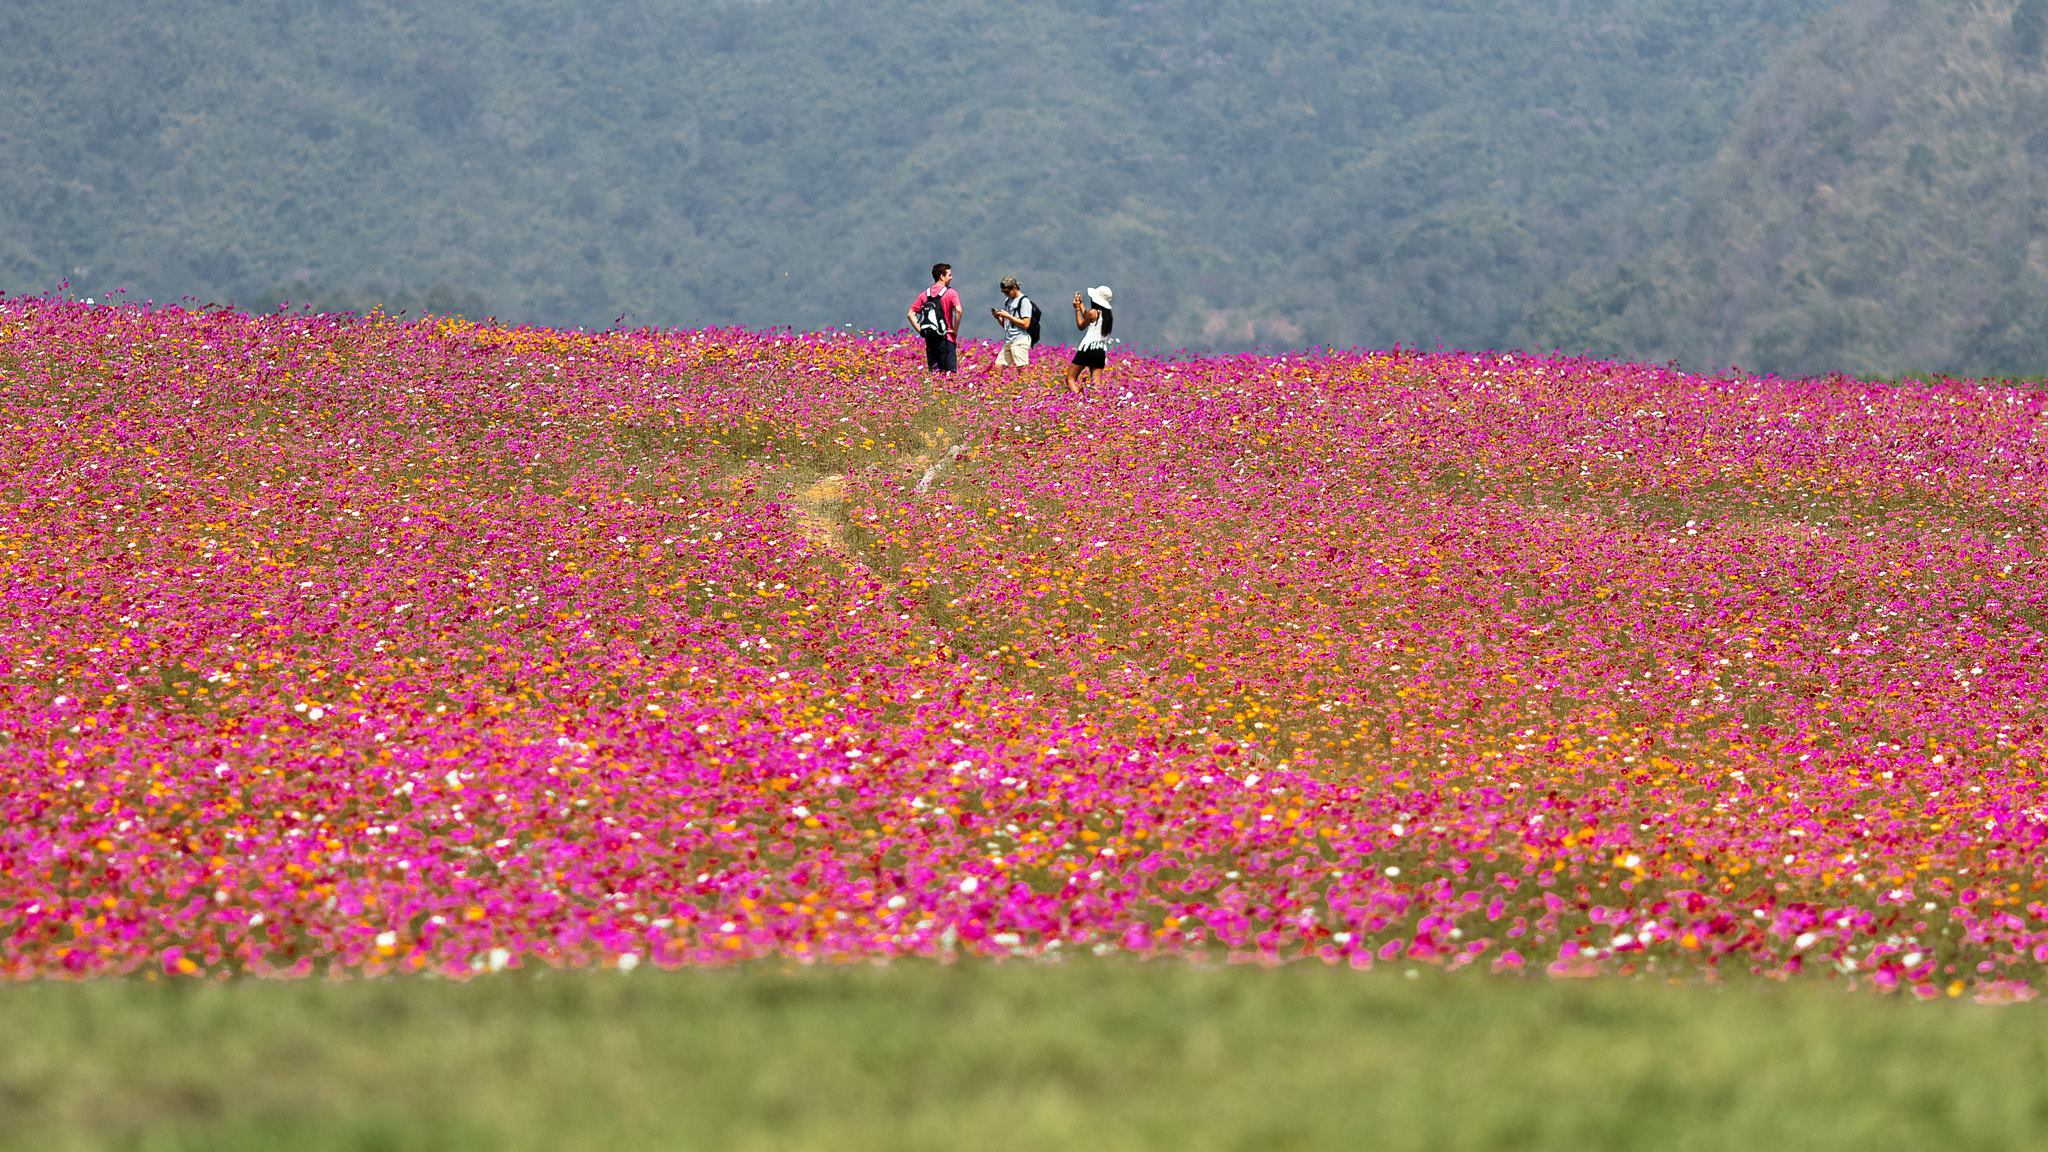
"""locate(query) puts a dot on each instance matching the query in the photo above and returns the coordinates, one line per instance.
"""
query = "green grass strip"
(1102, 1056)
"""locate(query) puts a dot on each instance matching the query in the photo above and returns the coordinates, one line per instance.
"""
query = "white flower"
(1805, 941)
(386, 939)
(628, 961)
(896, 902)
(1393, 871)
(968, 886)
(499, 958)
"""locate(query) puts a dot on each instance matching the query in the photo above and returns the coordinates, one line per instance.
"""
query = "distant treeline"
(1489, 174)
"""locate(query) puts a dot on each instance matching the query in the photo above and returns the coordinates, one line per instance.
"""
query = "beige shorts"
(1016, 353)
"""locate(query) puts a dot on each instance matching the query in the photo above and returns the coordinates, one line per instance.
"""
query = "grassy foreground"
(984, 1056)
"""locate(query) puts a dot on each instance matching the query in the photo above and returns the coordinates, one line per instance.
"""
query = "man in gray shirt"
(1018, 317)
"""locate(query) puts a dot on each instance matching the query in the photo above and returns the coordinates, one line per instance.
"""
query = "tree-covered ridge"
(1294, 172)
(1881, 207)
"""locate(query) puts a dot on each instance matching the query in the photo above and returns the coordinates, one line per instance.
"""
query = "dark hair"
(939, 270)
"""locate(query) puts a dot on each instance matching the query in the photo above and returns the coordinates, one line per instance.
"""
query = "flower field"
(385, 647)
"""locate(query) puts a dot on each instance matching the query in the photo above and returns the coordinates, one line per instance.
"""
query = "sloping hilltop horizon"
(437, 646)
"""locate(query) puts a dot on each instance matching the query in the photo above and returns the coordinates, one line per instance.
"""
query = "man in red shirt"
(940, 323)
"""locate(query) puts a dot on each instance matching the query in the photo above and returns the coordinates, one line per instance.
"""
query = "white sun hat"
(1100, 296)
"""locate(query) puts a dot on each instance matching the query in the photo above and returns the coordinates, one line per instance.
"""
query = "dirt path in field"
(816, 515)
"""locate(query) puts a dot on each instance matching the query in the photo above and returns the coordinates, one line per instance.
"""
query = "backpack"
(1031, 324)
(931, 315)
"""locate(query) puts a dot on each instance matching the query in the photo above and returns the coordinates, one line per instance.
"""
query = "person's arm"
(953, 309)
(1083, 319)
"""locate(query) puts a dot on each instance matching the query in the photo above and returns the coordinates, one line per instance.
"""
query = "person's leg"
(949, 356)
(931, 353)
(1006, 355)
(1083, 369)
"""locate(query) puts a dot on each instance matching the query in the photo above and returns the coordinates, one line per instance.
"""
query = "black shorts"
(941, 354)
(1092, 358)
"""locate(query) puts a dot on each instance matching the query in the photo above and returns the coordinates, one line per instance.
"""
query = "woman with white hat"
(1095, 319)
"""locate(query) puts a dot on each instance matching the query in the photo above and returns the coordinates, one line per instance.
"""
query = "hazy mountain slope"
(1881, 207)
(1297, 171)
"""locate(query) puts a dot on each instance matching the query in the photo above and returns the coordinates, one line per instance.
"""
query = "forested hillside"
(1285, 173)
(1881, 207)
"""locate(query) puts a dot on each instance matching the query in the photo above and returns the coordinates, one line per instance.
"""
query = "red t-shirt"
(949, 303)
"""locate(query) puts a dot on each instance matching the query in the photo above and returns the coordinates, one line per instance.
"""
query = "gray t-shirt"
(1020, 308)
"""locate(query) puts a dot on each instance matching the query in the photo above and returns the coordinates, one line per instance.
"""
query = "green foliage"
(1920, 164)
(1096, 1055)
(2029, 28)
(1876, 208)
(1294, 172)
(1653, 180)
